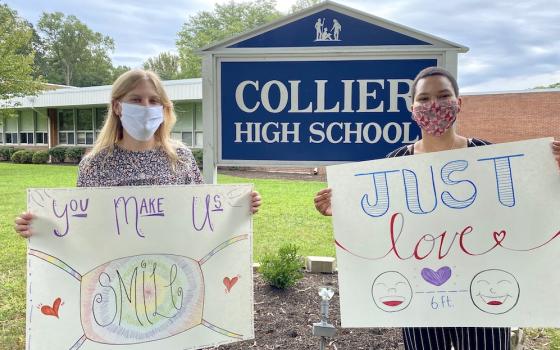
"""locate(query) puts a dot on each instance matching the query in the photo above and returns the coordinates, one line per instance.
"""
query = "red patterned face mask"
(436, 117)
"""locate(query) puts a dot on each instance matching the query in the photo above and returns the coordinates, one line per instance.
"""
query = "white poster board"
(165, 267)
(467, 237)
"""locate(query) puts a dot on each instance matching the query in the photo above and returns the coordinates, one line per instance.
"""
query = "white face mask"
(141, 122)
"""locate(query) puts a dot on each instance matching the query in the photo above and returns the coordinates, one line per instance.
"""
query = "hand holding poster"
(166, 267)
(466, 237)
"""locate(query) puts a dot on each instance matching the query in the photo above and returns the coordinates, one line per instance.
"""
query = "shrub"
(58, 154)
(16, 156)
(40, 157)
(27, 157)
(198, 156)
(74, 154)
(284, 268)
(22, 156)
(6, 153)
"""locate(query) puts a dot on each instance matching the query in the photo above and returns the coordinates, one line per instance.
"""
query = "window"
(198, 126)
(26, 138)
(188, 127)
(187, 138)
(198, 115)
(11, 130)
(11, 137)
(41, 133)
(100, 116)
(66, 120)
(41, 138)
(84, 127)
(199, 139)
(27, 125)
(66, 126)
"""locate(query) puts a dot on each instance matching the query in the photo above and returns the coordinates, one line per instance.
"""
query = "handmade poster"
(468, 237)
(164, 267)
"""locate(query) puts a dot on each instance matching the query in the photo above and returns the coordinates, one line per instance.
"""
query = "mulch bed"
(284, 320)
(301, 174)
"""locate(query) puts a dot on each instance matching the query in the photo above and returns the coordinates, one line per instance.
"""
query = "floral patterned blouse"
(122, 167)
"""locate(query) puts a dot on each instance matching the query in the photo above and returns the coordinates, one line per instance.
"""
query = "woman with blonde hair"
(134, 147)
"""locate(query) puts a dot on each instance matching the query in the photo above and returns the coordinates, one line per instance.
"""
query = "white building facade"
(74, 116)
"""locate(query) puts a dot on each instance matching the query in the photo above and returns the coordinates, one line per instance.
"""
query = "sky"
(513, 45)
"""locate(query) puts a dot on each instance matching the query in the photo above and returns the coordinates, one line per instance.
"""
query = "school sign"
(326, 85)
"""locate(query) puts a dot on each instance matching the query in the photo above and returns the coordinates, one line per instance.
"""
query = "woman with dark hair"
(436, 103)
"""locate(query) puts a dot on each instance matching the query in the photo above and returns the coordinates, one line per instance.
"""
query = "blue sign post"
(327, 85)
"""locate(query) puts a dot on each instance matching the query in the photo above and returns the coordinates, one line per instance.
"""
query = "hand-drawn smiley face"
(494, 291)
(391, 291)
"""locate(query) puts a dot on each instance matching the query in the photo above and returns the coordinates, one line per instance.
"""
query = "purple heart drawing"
(437, 278)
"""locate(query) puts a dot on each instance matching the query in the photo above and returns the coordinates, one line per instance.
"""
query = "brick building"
(510, 116)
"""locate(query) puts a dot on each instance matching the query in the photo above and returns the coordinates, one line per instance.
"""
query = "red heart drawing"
(499, 236)
(229, 283)
(52, 311)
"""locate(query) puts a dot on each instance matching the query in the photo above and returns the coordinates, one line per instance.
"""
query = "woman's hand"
(23, 224)
(255, 202)
(323, 201)
(556, 151)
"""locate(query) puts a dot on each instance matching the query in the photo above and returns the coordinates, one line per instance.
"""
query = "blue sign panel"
(328, 28)
(328, 111)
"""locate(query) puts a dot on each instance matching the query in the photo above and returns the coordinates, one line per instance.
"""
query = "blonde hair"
(112, 130)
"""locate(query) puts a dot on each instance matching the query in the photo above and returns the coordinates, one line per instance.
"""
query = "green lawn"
(287, 215)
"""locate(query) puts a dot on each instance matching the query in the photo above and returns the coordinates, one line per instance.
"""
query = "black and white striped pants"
(462, 338)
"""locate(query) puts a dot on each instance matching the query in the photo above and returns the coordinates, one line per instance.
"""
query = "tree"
(16, 65)
(303, 4)
(97, 71)
(551, 86)
(76, 55)
(166, 65)
(118, 71)
(225, 21)
(35, 47)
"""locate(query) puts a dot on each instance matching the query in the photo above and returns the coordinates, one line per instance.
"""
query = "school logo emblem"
(323, 33)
